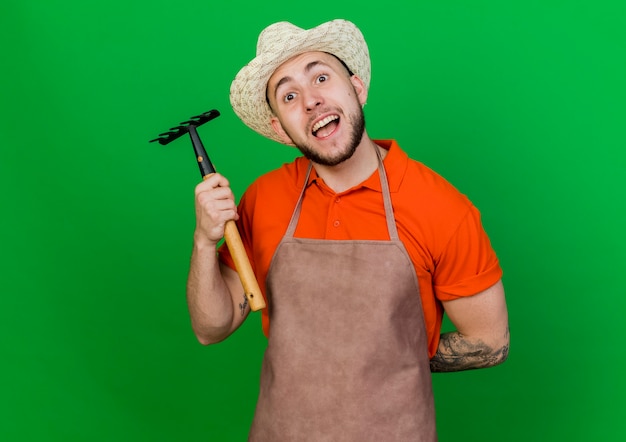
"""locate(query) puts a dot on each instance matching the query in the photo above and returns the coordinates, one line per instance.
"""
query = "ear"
(359, 87)
(278, 128)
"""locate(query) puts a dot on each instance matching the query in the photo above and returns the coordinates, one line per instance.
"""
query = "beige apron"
(347, 355)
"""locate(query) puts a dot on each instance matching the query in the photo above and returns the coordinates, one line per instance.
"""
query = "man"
(359, 250)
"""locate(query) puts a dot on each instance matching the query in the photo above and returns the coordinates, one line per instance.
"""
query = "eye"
(322, 78)
(290, 96)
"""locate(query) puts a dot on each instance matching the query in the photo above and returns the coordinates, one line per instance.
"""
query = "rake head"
(189, 127)
(183, 128)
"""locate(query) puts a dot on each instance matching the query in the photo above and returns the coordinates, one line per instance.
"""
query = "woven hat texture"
(280, 42)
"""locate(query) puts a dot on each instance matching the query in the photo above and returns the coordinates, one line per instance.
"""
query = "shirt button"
(337, 200)
(336, 223)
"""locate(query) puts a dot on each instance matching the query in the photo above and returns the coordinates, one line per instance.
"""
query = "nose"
(312, 99)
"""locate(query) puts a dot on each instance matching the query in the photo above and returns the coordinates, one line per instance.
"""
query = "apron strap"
(384, 184)
(296, 213)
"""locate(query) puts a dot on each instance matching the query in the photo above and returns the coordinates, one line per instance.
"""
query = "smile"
(323, 123)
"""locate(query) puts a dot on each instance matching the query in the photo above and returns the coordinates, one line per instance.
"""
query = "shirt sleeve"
(468, 263)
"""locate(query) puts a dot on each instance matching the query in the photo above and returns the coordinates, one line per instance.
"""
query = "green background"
(521, 105)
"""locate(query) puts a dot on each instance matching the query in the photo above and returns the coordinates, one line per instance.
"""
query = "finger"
(214, 180)
(209, 196)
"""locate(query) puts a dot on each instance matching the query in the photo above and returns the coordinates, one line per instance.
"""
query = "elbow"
(500, 355)
(490, 352)
(501, 352)
(212, 336)
(204, 340)
(208, 340)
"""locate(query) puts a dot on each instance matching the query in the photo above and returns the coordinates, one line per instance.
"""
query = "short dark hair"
(343, 63)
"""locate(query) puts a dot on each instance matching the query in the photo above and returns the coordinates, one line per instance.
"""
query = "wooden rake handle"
(242, 264)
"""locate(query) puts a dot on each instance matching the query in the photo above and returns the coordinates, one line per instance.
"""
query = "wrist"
(202, 242)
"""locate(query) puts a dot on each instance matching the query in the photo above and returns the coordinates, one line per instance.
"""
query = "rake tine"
(184, 127)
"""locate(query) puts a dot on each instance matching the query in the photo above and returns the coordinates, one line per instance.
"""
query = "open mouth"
(325, 126)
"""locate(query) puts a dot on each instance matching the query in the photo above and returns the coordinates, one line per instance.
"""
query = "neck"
(353, 171)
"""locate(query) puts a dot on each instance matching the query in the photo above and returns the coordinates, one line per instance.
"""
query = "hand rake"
(231, 234)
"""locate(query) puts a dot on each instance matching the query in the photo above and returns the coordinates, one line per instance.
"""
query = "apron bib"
(347, 355)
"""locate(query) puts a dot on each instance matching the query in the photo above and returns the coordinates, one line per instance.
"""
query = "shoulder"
(273, 195)
(429, 210)
(432, 188)
(287, 178)
(414, 183)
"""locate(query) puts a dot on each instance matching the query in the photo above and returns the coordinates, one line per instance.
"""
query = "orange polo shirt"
(439, 226)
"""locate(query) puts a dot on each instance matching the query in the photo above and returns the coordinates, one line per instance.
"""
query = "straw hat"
(278, 43)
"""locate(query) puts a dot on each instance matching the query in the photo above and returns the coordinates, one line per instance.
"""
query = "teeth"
(324, 122)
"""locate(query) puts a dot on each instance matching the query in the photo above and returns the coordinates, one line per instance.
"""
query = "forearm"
(208, 297)
(457, 352)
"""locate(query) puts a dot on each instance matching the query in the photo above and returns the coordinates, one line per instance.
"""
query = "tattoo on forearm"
(456, 353)
(243, 305)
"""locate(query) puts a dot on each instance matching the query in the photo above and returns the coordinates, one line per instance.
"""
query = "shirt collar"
(395, 164)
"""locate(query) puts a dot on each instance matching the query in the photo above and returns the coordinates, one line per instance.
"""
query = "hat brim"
(281, 42)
